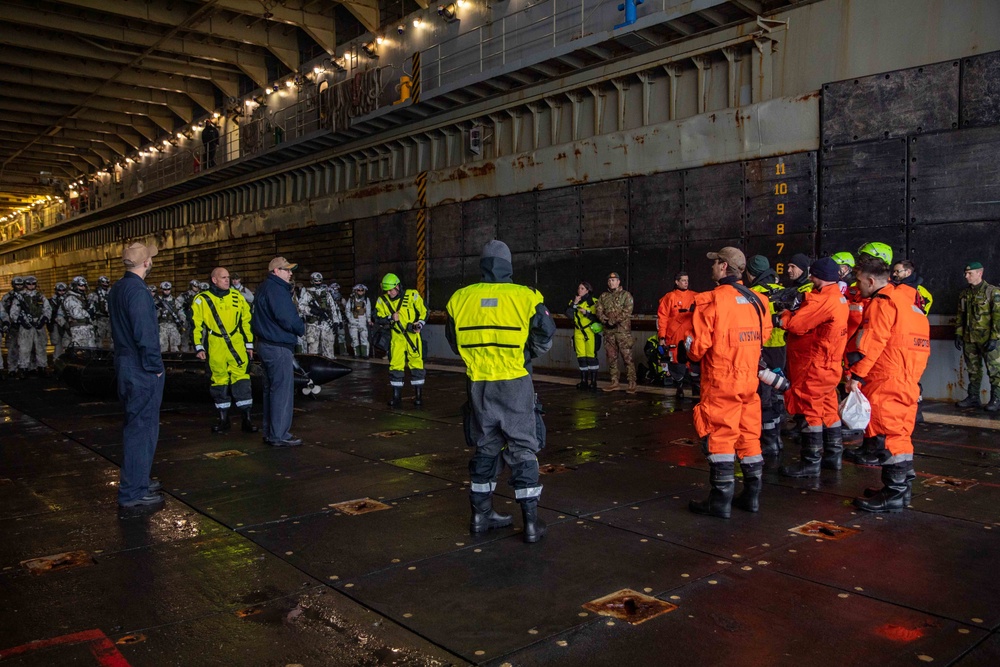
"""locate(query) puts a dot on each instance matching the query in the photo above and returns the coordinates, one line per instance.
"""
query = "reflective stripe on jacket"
(492, 323)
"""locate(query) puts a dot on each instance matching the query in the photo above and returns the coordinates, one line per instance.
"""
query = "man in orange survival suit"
(730, 325)
(893, 346)
(817, 335)
(674, 318)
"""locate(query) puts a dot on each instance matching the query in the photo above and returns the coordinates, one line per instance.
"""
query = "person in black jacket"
(276, 327)
(139, 370)
(210, 140)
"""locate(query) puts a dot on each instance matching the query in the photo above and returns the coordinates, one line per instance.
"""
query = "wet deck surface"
(249, 563)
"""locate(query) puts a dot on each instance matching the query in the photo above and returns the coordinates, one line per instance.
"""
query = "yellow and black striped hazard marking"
(422, 233)
(415, 76)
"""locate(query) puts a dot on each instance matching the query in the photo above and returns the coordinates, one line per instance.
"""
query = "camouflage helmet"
(203, 287)
(316, 278)
(166, 285)
(103, 281)
(17, 282)
(79, 282)
(152, 289)
(335, 286)
(61, 287)
(360, 288)
(31, 281)
(194, 284)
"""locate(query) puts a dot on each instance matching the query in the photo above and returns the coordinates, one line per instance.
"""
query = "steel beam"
(251, 63)
(59, 140)
(62, 134)
(284, 46)
(128, 133)
(321, 28)
(37, 148)
(157, 114)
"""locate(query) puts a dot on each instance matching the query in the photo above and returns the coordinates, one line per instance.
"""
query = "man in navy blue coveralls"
(139, 369)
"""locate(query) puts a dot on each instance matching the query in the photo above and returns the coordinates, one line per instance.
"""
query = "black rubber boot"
(795, 428)
(593, 380)
(812, 453)
(722, 477)
(753, 480)
(770, 442)
(419, 398)
(584, 383)
(534, 528)
(833, 448)
(223, 424)
(911, 475)
(970, 401)
(994, 404)
(248, 426)
(483, 516)
(869, 453)
(397, 397)
(892, 497)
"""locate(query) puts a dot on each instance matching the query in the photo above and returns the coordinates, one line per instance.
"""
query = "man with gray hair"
(498, 327)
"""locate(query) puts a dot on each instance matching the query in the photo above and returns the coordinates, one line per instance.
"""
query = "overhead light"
(269, 90)
(180, 135)
(216, 115)
(370, 49)
(418, 23)
(249, 103)
(166, 142)
(400, 29)
(448, 12)
(379, 39)
(340, 63)
(289, 83)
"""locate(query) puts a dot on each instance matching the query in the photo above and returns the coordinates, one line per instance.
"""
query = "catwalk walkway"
(252, 561)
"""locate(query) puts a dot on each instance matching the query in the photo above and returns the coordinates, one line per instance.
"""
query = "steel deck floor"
(251, 563)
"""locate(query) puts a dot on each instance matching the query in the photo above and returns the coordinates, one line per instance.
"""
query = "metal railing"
(529, 32)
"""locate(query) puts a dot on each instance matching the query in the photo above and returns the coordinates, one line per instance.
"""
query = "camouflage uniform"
(184, 302)
(615, 310)
(31, 311)
(338, 329)
(978, 325)
(170, 317)
(4, 326)
(12, 328)
(58, 331)
(321, 313)
(81, 323)
(98, 300)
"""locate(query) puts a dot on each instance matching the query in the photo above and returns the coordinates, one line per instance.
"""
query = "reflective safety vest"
(777, 337)
(492, 322)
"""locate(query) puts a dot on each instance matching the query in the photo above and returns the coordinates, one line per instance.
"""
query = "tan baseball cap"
(281, 263)
(734, 257)
(137, 253)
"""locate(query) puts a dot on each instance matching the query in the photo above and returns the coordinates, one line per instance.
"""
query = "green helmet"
(389, 281)
(877, 250)
(596, 327)
(843, 259)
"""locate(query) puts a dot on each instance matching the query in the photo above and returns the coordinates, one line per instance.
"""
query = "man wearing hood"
(763, 280)
(498, 327)
(223, 315)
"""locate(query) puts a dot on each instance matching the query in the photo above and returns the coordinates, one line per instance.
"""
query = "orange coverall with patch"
(674, 319)
(856, 309)
(817, 336)
(728, 337)
(894, 341)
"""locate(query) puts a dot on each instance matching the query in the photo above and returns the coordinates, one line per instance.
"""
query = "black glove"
(959, 344)
(776, 320)
(991, 345)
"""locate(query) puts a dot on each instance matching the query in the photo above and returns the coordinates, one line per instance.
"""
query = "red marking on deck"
(100, 646)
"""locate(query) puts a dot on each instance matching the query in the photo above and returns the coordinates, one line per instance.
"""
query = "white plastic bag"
(855, 411)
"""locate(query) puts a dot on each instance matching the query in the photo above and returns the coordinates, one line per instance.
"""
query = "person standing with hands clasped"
(977, 336)
(614, 309)
(276, 327)
(139, 371)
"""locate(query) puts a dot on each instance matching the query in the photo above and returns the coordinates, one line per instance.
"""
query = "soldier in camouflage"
(17, 286)
(977, 335)
(58, 329)
(31, 311)
(78, 316)
(338, 328)
(184, 303)
(321, 312)
(169, 317)
(98, 300)
(614, 309)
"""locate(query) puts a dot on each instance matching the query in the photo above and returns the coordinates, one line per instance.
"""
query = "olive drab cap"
(972, 266)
